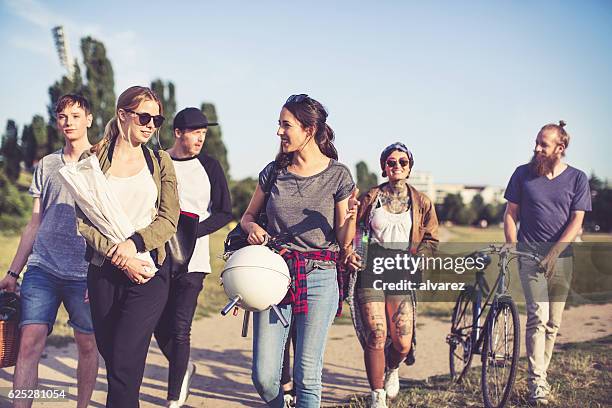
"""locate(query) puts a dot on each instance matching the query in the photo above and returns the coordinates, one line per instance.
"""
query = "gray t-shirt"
(304, 207)
(58, 249)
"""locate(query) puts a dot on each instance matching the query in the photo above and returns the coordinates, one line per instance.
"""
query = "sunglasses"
(402, 162)
(145, 118)
(296, 98)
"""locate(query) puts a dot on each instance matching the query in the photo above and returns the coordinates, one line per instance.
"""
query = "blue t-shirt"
(545, 205)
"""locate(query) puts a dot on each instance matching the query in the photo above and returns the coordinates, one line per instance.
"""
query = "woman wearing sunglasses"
(126, 296)
(311, 200)
(397, 217)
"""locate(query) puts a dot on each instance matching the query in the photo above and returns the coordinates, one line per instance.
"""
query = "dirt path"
(223, 360)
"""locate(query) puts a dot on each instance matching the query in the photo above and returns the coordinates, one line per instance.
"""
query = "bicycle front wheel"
(460, 339)
(500, 352)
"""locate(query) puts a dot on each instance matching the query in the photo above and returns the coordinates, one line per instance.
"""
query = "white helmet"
(259, 276)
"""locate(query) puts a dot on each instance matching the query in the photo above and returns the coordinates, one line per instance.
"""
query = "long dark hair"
(311, 114)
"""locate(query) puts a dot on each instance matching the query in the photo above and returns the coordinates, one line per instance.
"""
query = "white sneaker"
(191, 369)
(392, 385)
(539, 395)
(379, 399)
(289, 401)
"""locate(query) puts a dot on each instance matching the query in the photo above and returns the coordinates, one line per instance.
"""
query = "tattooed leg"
(401, 315)
(375, 323)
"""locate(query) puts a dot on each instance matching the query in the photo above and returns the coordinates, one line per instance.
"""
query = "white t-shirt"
(137, 195)
(194, 197)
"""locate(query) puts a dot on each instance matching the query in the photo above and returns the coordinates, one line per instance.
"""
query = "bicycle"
(498, 339)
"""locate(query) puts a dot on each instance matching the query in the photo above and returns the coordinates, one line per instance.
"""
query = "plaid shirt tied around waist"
(298, 293)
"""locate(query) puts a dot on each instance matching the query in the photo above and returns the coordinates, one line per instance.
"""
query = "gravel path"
(223, 360)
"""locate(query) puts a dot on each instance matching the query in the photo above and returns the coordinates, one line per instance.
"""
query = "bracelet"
(13, 274)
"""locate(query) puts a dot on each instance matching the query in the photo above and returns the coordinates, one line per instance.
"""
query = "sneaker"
(379, 399)
(173, 404)
(392, 385)
(539, 395)
(191, 368)
(289, 400)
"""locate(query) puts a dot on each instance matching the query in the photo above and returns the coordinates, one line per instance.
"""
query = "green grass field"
(580, 376)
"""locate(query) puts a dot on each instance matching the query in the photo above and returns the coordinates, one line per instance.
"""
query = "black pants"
(174, 328)
(124, 316)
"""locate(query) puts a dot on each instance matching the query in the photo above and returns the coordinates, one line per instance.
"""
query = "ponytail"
(325, 139)
(111, 131)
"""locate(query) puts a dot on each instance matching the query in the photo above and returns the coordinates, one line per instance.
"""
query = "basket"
(10, 309)
(9, 342)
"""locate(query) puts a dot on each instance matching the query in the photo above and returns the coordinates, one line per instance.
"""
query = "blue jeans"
(41, 294)
(269, 337)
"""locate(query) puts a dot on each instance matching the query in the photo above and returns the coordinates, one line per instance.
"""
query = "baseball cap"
(191, 118)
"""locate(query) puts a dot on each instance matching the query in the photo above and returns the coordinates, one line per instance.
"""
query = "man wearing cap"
(202, 191)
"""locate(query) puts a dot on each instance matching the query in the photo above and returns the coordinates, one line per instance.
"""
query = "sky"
(466, 85)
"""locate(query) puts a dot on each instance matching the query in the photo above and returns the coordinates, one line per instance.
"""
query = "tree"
(241, 192)
(34, 141)
(452, 205)
(10, 152)
(595, 183)
(477, 203)
(600, 218)
(100, 88)
(14, 206)
(493, 213)
(166, 95)
(465, 216)
(213, 145)
(365, 179)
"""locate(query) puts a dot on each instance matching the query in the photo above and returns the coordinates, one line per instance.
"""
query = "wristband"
(13, 274)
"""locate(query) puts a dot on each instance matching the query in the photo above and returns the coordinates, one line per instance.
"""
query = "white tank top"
(137, 195)
(390, 228)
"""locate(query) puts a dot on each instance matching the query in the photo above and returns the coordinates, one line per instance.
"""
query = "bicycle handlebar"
(498, 249)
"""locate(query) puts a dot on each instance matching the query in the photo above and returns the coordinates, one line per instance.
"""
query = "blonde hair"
(563, 138)
(130, 99)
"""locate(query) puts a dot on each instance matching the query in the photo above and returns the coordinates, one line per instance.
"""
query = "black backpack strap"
(149, 158)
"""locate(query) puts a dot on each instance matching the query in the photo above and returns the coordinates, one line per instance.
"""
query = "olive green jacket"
(155, 235)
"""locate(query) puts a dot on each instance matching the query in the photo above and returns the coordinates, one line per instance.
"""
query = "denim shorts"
(42, 293)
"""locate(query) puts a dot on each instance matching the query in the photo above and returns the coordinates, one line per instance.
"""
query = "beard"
(543, 165)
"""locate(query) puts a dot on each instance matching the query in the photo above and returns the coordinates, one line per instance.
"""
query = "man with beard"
(549, 198)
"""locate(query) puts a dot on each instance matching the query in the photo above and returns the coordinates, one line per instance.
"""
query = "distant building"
(489, 194)
(423, 182)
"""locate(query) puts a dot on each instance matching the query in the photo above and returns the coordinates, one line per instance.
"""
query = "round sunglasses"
(402, 162)
(145, 118)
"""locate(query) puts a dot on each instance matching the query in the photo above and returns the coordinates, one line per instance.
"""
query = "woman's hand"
(353, 205)
(138, 271)
(257, 235)
(121, 253)
(352, 261)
